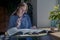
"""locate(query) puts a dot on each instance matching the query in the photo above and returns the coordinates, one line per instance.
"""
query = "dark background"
(10, 5)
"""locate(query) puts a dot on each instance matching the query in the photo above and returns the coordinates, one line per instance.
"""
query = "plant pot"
(52, 29)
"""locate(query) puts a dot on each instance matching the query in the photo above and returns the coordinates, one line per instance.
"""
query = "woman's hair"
(22, 4)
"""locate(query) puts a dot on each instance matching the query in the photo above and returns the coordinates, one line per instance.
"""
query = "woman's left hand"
(33, 27)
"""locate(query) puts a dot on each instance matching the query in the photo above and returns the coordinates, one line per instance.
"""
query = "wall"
(43, 8)
(34, 4)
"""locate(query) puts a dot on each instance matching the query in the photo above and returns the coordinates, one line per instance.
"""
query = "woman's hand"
(33, 27)
(18, 22)
(6, 33)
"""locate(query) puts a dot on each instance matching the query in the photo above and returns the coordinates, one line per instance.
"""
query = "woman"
(20, 19)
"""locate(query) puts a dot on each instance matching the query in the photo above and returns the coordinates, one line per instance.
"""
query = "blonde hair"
(22, 4)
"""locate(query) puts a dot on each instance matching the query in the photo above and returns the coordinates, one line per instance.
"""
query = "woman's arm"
(28, 22)
(11, 22)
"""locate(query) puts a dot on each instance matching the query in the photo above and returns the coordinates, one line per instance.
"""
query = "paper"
(12, 31)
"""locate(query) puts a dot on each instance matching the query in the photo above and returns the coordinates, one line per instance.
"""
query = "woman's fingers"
(33, 27)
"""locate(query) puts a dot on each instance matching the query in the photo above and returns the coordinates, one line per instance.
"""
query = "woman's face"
(22, 10)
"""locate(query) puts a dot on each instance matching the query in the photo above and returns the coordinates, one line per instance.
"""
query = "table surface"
(57, 34)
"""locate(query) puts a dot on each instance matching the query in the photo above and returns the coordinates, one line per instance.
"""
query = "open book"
(15, 30)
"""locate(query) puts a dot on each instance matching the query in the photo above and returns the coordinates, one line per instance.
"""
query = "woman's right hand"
(6, 33)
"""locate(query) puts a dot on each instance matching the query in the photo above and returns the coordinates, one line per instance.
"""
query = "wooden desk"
(55, 36)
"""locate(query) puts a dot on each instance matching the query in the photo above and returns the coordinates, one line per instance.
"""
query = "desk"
(55, 36)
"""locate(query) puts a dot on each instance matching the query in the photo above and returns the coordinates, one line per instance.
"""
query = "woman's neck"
(20, 14)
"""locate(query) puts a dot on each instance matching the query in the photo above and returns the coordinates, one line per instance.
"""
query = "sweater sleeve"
(28, 22)
(11, 22)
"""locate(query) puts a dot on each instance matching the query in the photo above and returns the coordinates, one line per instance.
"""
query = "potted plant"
(55, 15)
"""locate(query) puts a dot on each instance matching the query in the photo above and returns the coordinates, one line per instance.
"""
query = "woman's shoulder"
(13, 16)
(26, 15)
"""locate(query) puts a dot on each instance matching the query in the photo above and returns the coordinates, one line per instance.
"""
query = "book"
(15, 30)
